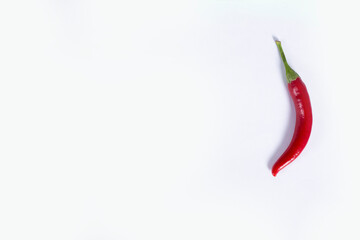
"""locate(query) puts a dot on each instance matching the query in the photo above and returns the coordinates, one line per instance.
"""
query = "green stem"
(291, 75)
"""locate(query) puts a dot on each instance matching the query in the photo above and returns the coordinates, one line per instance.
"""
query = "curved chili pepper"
(303, 124)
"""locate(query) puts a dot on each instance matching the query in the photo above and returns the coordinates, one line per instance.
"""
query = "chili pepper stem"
(291, 75)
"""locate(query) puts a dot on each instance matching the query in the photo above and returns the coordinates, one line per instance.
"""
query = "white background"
(161, 120)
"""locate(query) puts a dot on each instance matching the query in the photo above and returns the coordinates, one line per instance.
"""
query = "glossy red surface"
(303, 125)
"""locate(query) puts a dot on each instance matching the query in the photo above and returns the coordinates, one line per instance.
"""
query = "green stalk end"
(291, 75)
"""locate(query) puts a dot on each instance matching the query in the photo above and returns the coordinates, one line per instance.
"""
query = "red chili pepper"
(303, 124)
